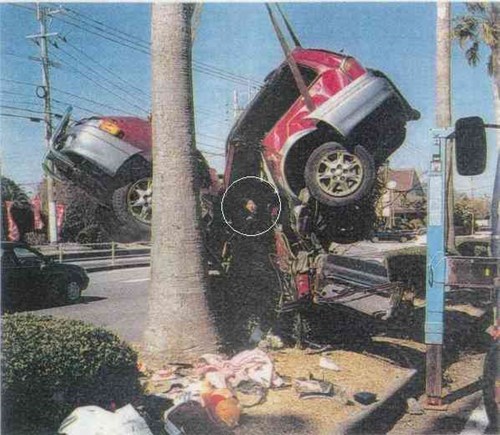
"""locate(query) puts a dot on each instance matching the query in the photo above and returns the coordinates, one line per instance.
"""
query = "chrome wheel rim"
(339, 173)
(140, 200)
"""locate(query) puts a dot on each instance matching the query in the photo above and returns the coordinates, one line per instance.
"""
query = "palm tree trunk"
(180, 325)
(443, 105)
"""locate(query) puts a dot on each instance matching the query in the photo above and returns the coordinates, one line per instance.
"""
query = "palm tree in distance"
(475, 29)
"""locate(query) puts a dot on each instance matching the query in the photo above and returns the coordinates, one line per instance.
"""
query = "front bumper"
(350, 106)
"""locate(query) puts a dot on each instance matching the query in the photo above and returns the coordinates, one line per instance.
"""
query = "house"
(404, 197)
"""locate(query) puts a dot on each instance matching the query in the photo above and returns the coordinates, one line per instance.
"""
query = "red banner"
(37, 212)
(60, 209)
(13, 231)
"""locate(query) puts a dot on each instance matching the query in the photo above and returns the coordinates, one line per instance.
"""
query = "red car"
(359, 119)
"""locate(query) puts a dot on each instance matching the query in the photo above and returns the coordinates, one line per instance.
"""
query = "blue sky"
(236, 39)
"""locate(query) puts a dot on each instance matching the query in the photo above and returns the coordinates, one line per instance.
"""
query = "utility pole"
(442, 209)
(42, 41)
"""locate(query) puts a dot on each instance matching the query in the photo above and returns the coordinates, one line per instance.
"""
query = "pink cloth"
(248, 365)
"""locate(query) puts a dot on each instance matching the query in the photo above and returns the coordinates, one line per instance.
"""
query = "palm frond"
(472, 54)
(489, 35)
(476, 7)
(490, 65)
(464, 31)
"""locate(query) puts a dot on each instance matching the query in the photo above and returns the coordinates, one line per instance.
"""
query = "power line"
(19, 82)
(142, 48)
(16, 56)
(31, 118)
(108, 70)
(134, 43)
(66, 104)
(105, 26)
(31, 9)
(112, 39)
(58, 115)
(118, 110)
(100, 85)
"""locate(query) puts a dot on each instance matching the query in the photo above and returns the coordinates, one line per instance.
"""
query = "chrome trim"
(346, 109)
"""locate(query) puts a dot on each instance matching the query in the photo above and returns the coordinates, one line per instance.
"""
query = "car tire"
(62, 290)
(133, 220)
(72, 291)
(337, 176)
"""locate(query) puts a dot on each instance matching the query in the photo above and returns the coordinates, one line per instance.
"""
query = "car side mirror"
(470, 146)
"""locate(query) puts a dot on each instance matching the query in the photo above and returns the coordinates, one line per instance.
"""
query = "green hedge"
(474, 248)
(50, 366)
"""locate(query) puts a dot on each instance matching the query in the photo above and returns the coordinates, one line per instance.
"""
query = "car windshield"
(270, 104)
(27, 257)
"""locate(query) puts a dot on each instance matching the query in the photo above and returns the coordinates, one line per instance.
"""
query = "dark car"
(110, 158)
(393, 235)
(29, 279)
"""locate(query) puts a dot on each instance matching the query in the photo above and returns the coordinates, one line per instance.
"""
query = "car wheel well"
(134, 168)
(296, 158)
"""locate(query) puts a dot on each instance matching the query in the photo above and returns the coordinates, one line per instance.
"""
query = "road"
(116, 299)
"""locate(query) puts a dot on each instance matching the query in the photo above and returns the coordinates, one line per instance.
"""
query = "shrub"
(474, 248)
(50, 366)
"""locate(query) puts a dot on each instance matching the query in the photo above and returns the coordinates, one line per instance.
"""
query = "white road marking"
(137, 280)
(477, 422)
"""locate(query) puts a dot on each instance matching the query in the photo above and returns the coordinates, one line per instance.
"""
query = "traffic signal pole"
(436, 269)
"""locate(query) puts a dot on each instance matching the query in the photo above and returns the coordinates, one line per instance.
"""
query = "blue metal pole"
(436, 270)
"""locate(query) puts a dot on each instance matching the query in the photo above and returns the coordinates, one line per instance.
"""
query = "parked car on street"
(30, 279)
(393, 235)
(110, 158)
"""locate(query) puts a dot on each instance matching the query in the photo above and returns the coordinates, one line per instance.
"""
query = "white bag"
(93, 420)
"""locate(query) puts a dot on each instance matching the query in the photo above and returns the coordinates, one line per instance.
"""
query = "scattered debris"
(252, 365)
(271, 342)
(250, 394)
(309, 387)
(256, 336)
(328, 363)
(221, 405)
(93, 420)
(365, 397)
(320, 350)
(413, 407)
(189, 418)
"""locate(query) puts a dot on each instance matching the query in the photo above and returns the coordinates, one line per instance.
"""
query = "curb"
(353, 424)
(103, 268)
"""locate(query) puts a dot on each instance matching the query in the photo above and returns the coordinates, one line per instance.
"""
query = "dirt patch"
(284, 412)
(462, 393)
